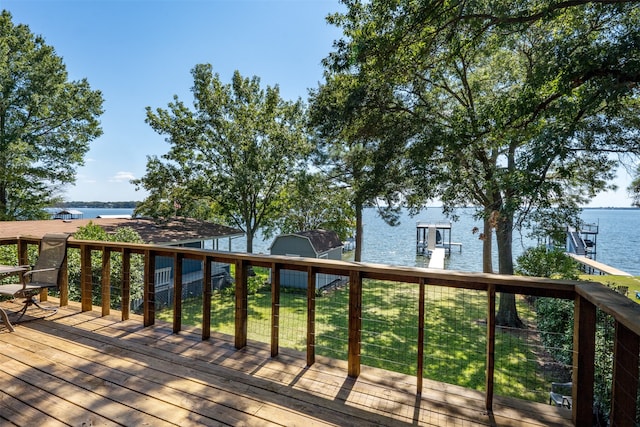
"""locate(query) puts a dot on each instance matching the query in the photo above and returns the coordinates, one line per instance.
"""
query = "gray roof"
(176, 230)
(69, 212)
(321, 240)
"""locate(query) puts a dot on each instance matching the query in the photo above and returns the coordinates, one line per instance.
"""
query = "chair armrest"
(30, 272)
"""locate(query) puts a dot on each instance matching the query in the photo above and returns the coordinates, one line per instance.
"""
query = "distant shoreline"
(97, 205)
(133, 204)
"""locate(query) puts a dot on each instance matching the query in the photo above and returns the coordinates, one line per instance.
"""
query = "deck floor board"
(77, 367)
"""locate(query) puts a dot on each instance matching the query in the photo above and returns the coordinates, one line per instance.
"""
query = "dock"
(430, 236)
(437, 258)
(433, 240)
(594, 265)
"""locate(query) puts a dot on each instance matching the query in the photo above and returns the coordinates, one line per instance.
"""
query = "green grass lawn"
(632, 283)
(455, 332)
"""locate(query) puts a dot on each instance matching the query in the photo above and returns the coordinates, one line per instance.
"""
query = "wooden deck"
(80, 369)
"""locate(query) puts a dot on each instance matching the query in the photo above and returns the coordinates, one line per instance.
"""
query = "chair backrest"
(53, 251)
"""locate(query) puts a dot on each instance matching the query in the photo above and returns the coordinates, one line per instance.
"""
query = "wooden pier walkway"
(593, 264)
(437, 258)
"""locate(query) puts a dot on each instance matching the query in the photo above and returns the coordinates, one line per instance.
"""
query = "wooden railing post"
(355, 323)
(584, 344)
(241, 304)
(126, 284)
(311, 316)
(275, 309)
(63, 285)
(106, 281)
(177, 293)
(149, 298)
(491, 346)
(23, 252)
(625, 377)
(206, 298)
(86, 279)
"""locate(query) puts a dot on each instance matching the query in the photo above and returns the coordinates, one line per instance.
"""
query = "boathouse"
(432, 235)
(324, 244)
(68, 214)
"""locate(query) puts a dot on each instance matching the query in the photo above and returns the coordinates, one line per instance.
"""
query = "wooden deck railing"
(587, 296)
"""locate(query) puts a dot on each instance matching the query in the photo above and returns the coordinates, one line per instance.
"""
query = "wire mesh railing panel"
(259, 305)
(223, 310)
(292, 322)
(455, 336)
(539, 352)
(390, 325)
(332, 321)
(603, 370)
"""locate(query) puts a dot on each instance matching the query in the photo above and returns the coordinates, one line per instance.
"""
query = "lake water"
(618, 240)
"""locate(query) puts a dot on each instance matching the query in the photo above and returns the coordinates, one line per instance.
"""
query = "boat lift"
(431, 236)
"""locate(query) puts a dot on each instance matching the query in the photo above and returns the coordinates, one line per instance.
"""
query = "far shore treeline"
(97, 205)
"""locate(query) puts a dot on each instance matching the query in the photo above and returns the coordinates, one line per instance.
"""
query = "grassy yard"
(455, 332)
(632, 283)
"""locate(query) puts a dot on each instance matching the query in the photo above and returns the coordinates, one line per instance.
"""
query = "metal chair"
(560, 394)
(45, 273)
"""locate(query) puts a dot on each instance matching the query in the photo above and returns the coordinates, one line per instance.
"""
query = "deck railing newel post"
(177, 292)
(625, 376)
(311, 315)
(491, 346)
(64, 283)
(105, 282)
(241, 304)
(23, 252)
(149, 288)
(584, 345)
(206, 298)
(86, 278)
(355, 322)
(44, 293)
(275, 309)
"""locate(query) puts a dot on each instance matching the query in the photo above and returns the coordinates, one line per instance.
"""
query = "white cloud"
(122, 177)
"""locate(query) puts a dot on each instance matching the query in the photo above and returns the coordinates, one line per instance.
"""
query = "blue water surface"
(618, 240)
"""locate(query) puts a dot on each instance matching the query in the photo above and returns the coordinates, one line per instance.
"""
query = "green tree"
(353, 147)
(543, 262)
(313, 201)
(516, 110)
(231, 158)
(555, 321)
(634, 189)
(94, 232)
(46, 123)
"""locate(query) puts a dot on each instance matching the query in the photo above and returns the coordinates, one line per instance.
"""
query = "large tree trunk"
(357, 253)
(507, 312)
(249, 240)
(487, 246)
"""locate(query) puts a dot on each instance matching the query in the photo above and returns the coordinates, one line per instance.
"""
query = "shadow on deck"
(77, 368)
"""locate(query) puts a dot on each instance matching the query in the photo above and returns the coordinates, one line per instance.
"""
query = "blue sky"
(140, 53)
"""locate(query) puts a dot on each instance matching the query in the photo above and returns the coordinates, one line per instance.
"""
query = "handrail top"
(470, 280)
(613, 303)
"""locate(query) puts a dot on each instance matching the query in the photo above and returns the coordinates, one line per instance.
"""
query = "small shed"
(309, 244)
